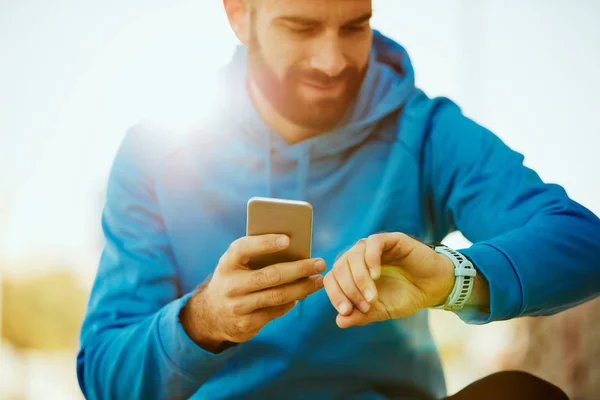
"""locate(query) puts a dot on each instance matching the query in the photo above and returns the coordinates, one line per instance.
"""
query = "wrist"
(465, 274)
(195, 321)
(448, 280)
(480, 297)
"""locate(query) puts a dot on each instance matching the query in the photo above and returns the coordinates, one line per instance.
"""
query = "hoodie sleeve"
(132, 344)
(538, 249)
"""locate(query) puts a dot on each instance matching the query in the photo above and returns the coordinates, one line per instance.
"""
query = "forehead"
(322, 10)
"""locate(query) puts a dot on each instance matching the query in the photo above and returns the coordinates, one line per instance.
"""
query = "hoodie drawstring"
(302, 179)
(302, 174)
(269, 172)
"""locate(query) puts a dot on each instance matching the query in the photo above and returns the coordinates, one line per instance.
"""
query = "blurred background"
(74, 75)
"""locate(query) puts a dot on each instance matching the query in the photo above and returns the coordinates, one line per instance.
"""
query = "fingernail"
(364, 306)
(373, 273)
(283, 241)
(319, 282)
(345, 308)
(319, 266)
(369, 295)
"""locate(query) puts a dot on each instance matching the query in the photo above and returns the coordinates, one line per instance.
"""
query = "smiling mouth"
(331, 87)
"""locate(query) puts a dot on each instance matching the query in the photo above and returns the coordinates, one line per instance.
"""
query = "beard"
(283, 94)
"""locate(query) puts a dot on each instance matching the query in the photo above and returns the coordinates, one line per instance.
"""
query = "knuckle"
(361, 281)
(264, 301)
(340, 269)
(375, 238)
(354, 295)
(361, 243)
(278, 296)
(399, 236)
(261, 302)
(352, 292)
(272, 276)
(230, 335)
(232, 332)
(234, 247)
(246, 337)
(229, 292)
(258, 279)
(237, 308)
(357, 254)
(338, 266)
(242, 325)
(308, 268)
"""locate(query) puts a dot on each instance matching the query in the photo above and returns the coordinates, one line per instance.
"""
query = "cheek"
(359, 50)
(281, 55)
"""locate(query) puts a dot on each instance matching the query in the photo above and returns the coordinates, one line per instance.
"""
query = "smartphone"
(288, 217)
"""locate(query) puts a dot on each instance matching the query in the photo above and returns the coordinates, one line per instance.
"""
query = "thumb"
(386, 247)
(375, 246)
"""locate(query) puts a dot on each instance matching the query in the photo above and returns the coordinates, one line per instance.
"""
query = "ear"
(238, 14)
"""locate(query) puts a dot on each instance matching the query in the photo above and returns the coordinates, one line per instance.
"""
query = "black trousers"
(510, 385)
(507, 385)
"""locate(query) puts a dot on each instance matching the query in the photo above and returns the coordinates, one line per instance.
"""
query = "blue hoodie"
(399, 162)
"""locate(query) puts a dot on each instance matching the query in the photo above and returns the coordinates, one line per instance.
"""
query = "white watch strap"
(465, 278)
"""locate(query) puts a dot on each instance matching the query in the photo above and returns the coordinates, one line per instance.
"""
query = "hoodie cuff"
(188, 358)
(506, 291)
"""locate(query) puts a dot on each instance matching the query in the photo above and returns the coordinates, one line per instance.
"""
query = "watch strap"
(465, 274)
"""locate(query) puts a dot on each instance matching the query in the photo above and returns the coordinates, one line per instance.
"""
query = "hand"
(238, 302)
(387, 276)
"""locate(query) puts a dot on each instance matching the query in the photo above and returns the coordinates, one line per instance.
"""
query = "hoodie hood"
(388, 83)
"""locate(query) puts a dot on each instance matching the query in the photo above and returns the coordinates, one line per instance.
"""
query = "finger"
(336, 295)
(343, 275)
(373, 249)
(281, 295)
(281, 274)
(377, 245)
(266, 315)
(360, 272)
(356, 318)
(241, 250)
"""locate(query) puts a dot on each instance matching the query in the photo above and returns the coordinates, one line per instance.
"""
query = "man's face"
(308, 58)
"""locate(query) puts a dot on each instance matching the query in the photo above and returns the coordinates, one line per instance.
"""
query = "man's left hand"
(387, 276)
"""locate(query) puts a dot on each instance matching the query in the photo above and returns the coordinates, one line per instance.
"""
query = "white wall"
(541, 88)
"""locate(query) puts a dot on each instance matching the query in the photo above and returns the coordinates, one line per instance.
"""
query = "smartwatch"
(465, 274)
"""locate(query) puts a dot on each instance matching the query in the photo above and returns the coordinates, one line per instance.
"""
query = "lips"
(327, 87)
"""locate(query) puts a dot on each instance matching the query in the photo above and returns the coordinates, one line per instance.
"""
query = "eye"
(355, 29)
(301, 30)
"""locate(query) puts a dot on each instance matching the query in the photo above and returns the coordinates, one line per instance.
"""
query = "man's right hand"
(238, 302)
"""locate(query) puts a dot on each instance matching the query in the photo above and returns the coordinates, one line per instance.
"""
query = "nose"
(328, 57)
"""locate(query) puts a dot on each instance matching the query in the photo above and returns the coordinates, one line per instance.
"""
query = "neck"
(290, 131)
